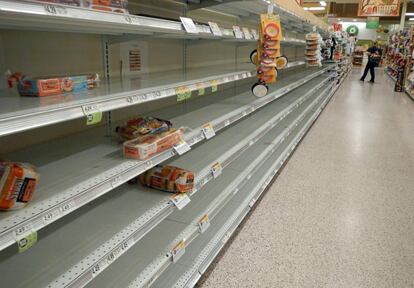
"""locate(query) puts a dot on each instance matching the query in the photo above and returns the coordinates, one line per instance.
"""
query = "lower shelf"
(203, 250)
(152, 255)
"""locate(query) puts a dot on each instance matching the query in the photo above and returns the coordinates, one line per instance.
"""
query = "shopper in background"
(373, 61)
(333, 47)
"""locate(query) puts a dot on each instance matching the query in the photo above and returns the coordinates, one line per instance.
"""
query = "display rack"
(93, 228)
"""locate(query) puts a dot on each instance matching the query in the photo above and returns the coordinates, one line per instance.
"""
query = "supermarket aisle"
(341, 212)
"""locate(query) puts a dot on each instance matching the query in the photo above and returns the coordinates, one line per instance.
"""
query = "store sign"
(337, 27)
(379, 8)
(300, 2)
(352, 30)
(372, 22)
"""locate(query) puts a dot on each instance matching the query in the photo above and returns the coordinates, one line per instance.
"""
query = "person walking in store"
(373, 60)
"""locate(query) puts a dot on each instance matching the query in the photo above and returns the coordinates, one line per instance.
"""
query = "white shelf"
(84, 167)
(242, 135)
(202, 251)
(141, 260)
(24, 113)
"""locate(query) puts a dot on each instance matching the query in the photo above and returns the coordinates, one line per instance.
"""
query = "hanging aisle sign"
(372, 22)
(379, 8)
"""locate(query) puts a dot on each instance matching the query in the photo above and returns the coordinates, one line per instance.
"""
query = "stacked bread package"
(313, 54)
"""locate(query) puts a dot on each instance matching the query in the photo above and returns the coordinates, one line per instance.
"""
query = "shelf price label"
(178, 251)
(26, 242)
(216, 169)
(183, 93)
(201, 88)
(180, 200)
(116, 181)
(93, 114)
(55, 10)
(189, 25)
(214, 85)
(254, 34)
(50, 216)
(246, 33)
(23, 231)
(182, 147)
(215, 29)
(237, 32)
(204, 224)
(65, 208)
(208, 131)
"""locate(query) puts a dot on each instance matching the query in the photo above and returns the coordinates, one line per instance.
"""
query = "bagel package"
(168, 178)
(48, 86)
(140, 126)
(17, 184)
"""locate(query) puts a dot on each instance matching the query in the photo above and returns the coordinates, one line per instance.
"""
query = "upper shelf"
(53, 17)
(24, 113)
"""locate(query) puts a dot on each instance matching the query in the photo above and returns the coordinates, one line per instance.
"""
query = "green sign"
(372, 22)
(352, 30)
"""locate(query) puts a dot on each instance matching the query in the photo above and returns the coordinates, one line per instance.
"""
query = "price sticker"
(178, 251)
(216, 169)
(214, 85)
(227, 123)
(93, 114)
(50, 216)
(215, 29)
(180, 200)
(208, 131)
(55, 10)
(237, 32)
(236, 77)
(182, 147)
(201, 89)
(183, 93)
(27, 242)
(189, 25)
(204, 224)
(246, 33)
(116, 181)
(255, 34)
(127, 244)
(23, 231)
(65, 208)
(251, 204)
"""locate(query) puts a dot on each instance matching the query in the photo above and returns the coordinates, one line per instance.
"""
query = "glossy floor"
(341, 214)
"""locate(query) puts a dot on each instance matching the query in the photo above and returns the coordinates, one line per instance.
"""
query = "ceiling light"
(411, 19)
(409, 14)
(314, 8)
(323, 3)
(355, 20)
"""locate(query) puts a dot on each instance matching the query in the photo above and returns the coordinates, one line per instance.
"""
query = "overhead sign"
(381, 8)
(337, 27)
(300, 2)
(352, 30)
(372, 22)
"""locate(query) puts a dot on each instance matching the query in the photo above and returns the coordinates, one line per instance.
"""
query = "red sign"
(379, 8)
(337, 27)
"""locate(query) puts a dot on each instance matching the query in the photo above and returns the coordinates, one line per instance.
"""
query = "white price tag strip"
(237, 32)
(215, 29)
(182, 148)
(246, 33)
(208, 131)
(23, 231)
(204, 223)
(216, 169)
(180, 200)
(65, 208)
(178, 251)
(189, 25)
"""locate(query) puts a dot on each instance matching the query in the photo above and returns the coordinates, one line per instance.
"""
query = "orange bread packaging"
(17, 184)
(147, 146)
(168, 178)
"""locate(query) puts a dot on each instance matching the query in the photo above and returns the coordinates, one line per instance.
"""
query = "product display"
(141, 126)
(17, 184)
(313, 49)
(149, 145)
(119, 6)
(168, 178)
(267, 56)
(47, 86)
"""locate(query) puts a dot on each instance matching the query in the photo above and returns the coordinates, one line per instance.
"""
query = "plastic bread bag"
(150, 145)
(168, 178)
(141, 126)
(17, 184)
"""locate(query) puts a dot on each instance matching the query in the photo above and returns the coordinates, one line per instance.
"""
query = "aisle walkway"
(341, 214)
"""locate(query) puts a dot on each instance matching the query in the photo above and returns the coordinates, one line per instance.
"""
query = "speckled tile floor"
(341, 214)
